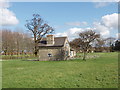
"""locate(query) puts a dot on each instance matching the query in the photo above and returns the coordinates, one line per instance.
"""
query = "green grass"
(98, 72)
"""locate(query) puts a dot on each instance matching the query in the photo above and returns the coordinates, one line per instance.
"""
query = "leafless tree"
(39, 29)
(85, 40)
(75, 44)
(100, 43)
(15, 42)
(109, 41)
(28, 43)
(7, 41)
(17, 39)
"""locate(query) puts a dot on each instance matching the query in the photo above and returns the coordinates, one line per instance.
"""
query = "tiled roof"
(59, 41)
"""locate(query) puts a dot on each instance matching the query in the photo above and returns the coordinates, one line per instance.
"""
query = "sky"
(67, 18)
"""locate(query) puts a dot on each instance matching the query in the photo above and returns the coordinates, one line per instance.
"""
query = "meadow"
(99, 71)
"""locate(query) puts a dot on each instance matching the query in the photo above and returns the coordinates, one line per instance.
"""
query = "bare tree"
(13, 42)
(39, 29)
(85, 40)
(99, 45)
(4, 41)
(23, 42)
(18, 39)
(75, 44)
(28, 43)
(7, 41)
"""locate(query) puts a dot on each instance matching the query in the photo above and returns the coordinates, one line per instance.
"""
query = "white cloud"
(103, 30)
(77, 23)
(73, 23)
(110, 20)
(74, 31)
(84, 23)
(4, 4)
(7, 17)
(101, 4)
(60, 34)
(71, 33)
(107, 24)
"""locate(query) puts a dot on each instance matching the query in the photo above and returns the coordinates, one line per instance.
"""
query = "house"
(54, 48)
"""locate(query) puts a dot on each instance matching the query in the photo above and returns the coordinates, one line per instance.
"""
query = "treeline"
(16, 43)
(116, 47)
(109, 44)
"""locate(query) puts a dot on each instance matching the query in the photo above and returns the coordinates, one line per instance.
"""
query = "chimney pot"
(50, 39)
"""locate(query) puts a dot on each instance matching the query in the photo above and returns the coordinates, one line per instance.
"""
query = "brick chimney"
(50, 39)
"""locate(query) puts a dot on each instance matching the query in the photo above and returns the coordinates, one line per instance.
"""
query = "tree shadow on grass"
(31, 60)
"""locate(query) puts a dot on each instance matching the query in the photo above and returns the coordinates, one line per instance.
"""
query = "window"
(67, 44)
(43, 42)
(49, 55)
(66, 53)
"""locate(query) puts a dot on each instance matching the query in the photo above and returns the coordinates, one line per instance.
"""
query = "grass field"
(97, 72)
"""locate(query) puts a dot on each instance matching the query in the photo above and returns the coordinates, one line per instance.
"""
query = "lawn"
(97, 72)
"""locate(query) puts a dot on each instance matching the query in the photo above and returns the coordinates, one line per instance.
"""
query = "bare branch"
(38, 28)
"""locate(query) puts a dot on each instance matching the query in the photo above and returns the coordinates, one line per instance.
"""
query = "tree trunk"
(35, 52)
(36, 48)
(5, 52)
(35, 43)
(17, 48)
(84, 56)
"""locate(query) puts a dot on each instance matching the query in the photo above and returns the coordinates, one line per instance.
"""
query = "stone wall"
(51, 53)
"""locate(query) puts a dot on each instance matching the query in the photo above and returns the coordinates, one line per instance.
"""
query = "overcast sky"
(67, 18)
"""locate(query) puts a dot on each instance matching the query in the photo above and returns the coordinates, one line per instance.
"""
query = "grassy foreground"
(99, 72)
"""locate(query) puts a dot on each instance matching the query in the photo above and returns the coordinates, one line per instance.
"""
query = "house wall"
(72, 54)
(56, 54)
(66, 48)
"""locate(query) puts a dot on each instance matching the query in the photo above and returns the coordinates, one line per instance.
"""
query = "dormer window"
(67, 44)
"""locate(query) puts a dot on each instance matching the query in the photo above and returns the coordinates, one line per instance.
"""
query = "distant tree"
(22, 42)
(109, 42)
(39, 29)
(7, 41)
(14, 42)
(4, 41)
(85, 40)
(75, 44)
(117, 45)
(29, 43)
(99, 44)
(18, 41)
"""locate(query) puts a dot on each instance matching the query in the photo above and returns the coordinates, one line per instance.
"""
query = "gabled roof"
(59, 42)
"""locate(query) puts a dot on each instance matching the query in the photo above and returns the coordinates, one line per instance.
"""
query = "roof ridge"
(60, 37)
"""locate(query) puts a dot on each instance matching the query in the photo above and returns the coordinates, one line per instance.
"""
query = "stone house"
(54, 49)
